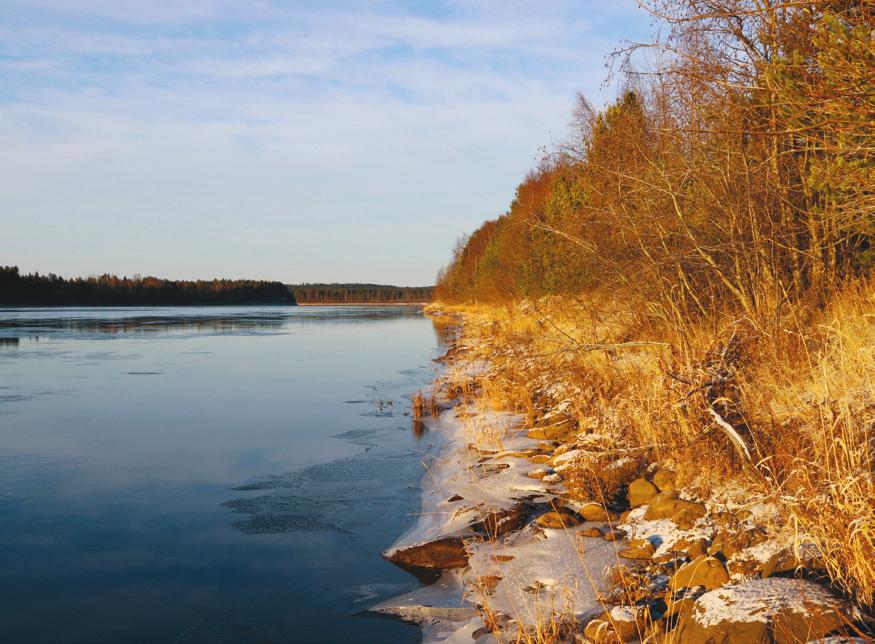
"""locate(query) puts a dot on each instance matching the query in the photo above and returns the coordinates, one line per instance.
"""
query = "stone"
(787, 561)
(621, 623)
(705, 571)
(558, 520)
(611, 534)
(665, 480)
(687, 513)
(540, 459)
(662, 505)
(538, 474)
(590, 531)
(691, 546)
(776, 610)
(638, 549)
(498, 522)
(668, 505)
(444, 553)
(596, 512)
(641, 491)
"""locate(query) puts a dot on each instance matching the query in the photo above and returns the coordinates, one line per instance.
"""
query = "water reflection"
(202, 479)
(190, 319)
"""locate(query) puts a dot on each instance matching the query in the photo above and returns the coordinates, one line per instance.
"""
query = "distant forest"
(108, 290)
(359, 293)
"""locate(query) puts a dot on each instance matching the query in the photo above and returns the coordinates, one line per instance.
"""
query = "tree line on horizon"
(359, 293)
(33, 289)
(737, 173)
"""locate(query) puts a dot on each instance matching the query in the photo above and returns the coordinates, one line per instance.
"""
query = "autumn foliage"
(736, 174)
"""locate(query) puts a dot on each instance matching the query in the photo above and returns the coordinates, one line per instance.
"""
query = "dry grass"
(800, 395)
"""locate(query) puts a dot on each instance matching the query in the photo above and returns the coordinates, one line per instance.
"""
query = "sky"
(297, 141)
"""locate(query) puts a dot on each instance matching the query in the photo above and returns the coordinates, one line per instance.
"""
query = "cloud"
(263, 121)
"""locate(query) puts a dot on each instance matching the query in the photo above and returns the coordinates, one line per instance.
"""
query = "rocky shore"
(544, 530)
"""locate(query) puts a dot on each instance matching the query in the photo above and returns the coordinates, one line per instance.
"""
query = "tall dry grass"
(799, 394)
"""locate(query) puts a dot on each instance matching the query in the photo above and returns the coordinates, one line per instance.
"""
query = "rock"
(667, 505)
(611, 534)
(499, 522)
(621, 623)
(687, 513)
(776, 610)
(538, 474)
(540, 459)
(665, 480)
(681, 601)
(691, 546)
(454, 498)
(701, 571)
(744, 567)
(591, 531)
(731, 542)
(787, 561)
(596, 512)
(558, 520)
(445, 553)
(662, 505)
(638, 549)
(641, 491)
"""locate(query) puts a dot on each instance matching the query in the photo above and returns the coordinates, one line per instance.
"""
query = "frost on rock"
(784, 610)
(759, 599)
(528, 574)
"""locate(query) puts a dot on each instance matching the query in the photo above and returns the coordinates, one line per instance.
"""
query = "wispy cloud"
(278, 126)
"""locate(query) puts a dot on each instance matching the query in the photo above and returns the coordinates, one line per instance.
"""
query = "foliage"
(737, 174)
(359, 293)
(108, 290)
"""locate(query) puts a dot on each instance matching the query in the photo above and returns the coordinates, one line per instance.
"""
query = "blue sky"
(300, 141)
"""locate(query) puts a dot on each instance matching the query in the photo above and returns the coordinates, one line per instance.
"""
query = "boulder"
(787, 561)
(641, 491)
(665, 480)
(558, 520)
(774, 611)
(668, 505)
(612, 534)
(501, 521)
(590, 531)
(596, 512)
(444, 553)
(705, 571)
(638, 549)
(691, 546)
(620, 624)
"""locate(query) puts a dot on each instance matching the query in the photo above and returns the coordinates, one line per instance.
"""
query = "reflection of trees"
(230, 322)
(359, 293)
(444, 329)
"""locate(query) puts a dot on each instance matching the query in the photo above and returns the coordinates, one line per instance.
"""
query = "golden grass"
(800, 394)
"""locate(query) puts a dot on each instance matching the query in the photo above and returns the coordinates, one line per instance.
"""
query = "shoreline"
(520, 554)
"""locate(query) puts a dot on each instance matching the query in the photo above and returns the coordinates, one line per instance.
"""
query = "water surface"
(207, 475)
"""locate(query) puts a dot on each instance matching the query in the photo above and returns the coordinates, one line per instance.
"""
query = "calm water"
(207, 475)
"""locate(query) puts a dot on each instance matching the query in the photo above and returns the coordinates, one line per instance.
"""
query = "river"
(191, 475)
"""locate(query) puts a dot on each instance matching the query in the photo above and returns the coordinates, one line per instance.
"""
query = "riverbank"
(562, 508)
